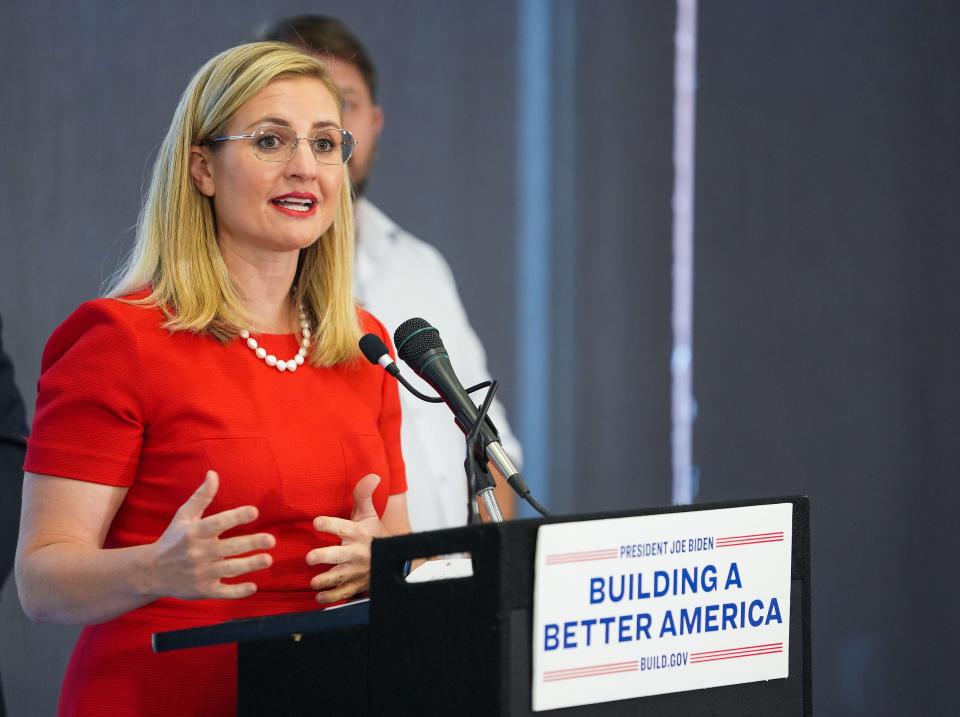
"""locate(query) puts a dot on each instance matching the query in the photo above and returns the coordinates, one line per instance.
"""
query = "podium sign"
(648, 605)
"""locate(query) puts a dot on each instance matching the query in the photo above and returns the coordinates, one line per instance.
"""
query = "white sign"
(629, 607)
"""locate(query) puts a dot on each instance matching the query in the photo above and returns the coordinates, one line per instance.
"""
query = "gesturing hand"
(349, 562)
(190, 558)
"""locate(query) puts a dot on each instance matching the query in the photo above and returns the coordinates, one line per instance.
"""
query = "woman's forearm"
(63, 575)
(73, 583)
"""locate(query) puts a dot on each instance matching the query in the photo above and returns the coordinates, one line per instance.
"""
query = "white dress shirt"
(398, 277)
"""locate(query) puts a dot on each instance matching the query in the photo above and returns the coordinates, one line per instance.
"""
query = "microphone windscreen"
(373, 347)
(414, 337)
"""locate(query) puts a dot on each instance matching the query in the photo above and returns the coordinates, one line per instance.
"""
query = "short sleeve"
(389, 421)
(90, 416)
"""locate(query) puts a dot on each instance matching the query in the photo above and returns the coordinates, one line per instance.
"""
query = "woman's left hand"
(349, 562)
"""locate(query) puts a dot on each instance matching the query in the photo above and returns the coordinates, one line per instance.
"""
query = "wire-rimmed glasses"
(276, 143)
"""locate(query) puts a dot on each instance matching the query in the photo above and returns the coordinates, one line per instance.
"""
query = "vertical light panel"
(565, 376)
(681, 365)
(534, 212)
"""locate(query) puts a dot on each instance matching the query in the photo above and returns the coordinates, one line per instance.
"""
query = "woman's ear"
(201, 170)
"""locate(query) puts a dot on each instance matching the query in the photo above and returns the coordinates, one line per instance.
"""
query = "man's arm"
(13, 430)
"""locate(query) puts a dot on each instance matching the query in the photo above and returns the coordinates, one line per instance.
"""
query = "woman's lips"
(295, 206)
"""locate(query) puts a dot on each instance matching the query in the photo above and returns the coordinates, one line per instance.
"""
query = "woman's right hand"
(190, 559)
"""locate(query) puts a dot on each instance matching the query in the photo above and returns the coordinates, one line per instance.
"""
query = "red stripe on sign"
(745, 540)
(736, 649)
(578, 560)
(591, 671)
(556, 558)
(593, 674)
(580, 557)
(748, 542)
(581, 553)
(626, 663)
(771, 651)
(752, 535)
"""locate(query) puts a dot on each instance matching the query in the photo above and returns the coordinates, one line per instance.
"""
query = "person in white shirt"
(397, 277)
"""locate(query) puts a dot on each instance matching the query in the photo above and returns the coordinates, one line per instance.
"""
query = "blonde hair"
(176, 255)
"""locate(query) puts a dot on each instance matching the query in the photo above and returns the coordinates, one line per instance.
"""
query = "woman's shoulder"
(105, 324)
(130, 311)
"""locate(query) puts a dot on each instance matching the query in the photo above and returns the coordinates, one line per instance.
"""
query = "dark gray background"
(826, 346)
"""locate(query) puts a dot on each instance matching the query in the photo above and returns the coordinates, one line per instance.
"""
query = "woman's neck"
(263, 280)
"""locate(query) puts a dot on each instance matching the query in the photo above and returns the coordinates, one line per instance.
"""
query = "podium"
(463, 646)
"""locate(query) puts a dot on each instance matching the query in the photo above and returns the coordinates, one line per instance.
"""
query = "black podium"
(463, 647)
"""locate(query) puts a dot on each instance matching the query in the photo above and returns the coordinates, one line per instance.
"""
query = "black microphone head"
(373, 348)
(414, 337)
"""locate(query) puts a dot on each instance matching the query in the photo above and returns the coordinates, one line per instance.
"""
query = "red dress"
(124, 402)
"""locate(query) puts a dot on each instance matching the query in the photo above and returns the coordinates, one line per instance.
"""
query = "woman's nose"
(302, 163)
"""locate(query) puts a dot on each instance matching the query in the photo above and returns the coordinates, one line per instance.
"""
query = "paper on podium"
(349, 603)
(444, 569)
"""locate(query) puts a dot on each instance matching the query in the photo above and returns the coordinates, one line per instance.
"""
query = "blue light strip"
(534, 211)
(683, 405)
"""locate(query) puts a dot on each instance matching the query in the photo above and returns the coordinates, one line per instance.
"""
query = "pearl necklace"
(271, 360)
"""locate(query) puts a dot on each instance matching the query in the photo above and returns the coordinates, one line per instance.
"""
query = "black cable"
(519, 486)
(435, 399)
(415, 392)
(536, 506)
(470, 463)
(516, 482)
(482, 384)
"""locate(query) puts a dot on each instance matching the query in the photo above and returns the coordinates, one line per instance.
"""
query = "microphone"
(376, 352)
(420, 346)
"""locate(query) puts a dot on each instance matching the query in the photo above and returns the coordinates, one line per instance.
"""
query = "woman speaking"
(206, 444)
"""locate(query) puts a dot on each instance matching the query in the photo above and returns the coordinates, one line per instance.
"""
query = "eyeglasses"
(273, 143)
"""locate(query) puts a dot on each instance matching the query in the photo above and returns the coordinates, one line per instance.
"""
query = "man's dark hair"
(323, 35)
